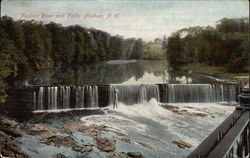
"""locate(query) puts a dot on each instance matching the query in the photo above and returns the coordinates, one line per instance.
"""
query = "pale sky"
(146, 19)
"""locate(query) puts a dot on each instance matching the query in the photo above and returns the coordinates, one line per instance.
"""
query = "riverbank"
(121, 61)
(216, 72)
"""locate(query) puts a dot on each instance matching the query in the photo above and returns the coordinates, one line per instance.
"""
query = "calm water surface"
(145, 71)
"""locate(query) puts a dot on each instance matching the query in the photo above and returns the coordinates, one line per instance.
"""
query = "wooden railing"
(231, 139)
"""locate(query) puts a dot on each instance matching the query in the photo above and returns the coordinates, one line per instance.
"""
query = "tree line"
(29, 46)
(225, 45)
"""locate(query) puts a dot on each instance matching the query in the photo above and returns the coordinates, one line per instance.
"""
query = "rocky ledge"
(182, 112)
(63, 136)
(9, 130)
(66, 141)
(181, 144)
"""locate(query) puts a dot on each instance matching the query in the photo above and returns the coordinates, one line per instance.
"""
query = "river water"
(116, 72)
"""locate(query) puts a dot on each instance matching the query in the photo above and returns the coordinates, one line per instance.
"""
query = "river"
(201, 106)
(119, 72)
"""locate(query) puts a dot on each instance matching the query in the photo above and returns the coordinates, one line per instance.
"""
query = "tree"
(164, 42)
(8, 65)
(37, 44)
(128, 45)
(174, 51)
(31, 46)
(116, 44)
(138, 50)
(224, 45)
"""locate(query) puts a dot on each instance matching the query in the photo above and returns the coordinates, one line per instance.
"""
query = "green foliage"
(222, 45)
(217, 71)
(128, 45)
(29, 46)
(14, 31)
(37, 44)
(137, 50)
(232, 25)
(175, 51)
(116, 47)
(62, 41)
(237, 65)
(153, 51)
(7, 56)
(8, 66)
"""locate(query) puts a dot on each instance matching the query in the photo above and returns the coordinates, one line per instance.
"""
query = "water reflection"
(154, 71)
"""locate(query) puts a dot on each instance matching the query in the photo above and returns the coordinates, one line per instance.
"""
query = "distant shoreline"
(121, 61)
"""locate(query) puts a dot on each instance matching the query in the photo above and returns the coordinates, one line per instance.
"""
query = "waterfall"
(34, 100)
(183, 93)
(79, 96)
(65, 92)
(132, 94)
(52, 97)
(40, 99)
(92, 96)
(68, 97)
(65, 97)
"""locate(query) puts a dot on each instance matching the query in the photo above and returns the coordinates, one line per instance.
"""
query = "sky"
(146, 19)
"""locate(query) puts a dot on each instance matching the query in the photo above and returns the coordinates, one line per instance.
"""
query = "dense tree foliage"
(137, 50)
(175, 50)
(226, 44)
(128, 45)
(154, 50)
(28, 46)
(116, 47)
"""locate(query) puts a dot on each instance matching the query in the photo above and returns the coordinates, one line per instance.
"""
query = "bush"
(237, 65)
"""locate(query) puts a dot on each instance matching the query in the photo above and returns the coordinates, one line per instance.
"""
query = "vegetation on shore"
(225, 46)
(31, 46)
(154, 50)
(215, 71)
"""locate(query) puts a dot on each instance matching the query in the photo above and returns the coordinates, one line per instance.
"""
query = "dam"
(95, 96)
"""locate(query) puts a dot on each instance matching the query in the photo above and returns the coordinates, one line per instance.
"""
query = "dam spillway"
(133, 94)
(65, 97)
(93, 96)
(198, 93)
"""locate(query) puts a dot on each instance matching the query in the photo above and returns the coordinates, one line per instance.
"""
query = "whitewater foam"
(151, 119)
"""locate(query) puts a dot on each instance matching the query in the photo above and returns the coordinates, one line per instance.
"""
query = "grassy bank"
(216, 71)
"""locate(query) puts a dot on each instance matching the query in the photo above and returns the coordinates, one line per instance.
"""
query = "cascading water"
(79, 96)
(184, 93)
(68, 97)
(53, 97)
(65, 97)
(64, 93)
(40, 101)
(132, 94)
(92, 96)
